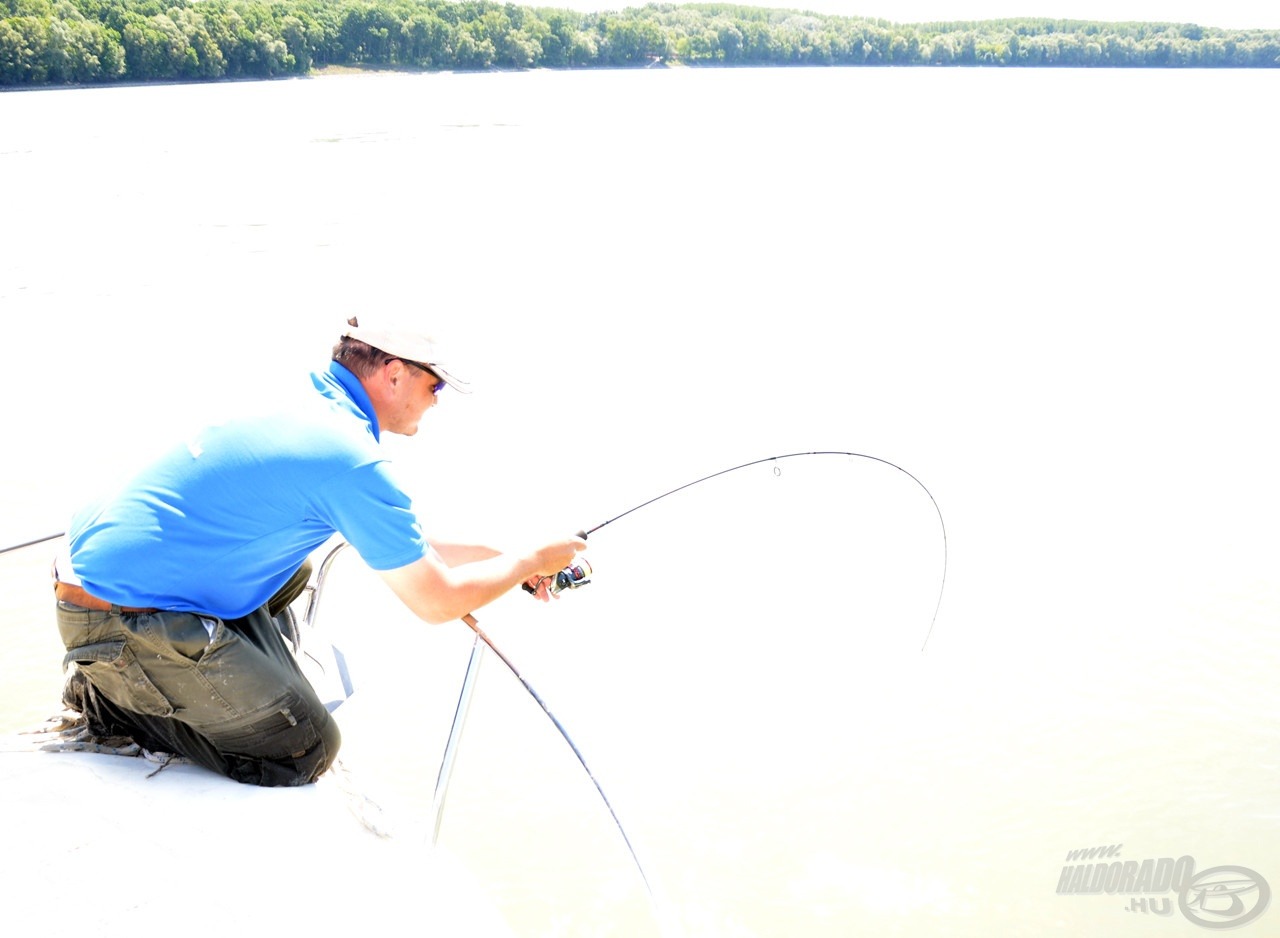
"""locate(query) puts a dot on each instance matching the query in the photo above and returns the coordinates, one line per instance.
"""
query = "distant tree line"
(52, 42)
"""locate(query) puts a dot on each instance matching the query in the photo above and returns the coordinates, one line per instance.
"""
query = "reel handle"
(571, 577)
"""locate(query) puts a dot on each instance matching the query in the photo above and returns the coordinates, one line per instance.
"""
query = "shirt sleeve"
(368, 508)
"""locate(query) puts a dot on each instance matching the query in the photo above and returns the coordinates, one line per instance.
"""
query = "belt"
(76, 596)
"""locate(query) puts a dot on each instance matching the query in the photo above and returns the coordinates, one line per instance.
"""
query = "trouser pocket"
(114, 670)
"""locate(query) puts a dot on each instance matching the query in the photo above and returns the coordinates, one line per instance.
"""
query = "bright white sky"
(1242, 14)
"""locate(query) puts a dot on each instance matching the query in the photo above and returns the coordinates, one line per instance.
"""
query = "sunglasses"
(435, 388)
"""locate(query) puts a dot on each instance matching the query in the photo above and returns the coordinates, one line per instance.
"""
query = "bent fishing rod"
(775, 459)
(574, 576)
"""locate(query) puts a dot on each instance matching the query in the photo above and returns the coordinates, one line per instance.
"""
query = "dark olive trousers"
(225, 693)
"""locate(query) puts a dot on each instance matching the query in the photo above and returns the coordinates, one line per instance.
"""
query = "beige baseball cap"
(404, 341)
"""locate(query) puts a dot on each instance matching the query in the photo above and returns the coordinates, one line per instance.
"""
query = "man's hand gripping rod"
(571, 577)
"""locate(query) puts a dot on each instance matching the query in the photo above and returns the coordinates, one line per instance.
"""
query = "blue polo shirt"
(220, 522)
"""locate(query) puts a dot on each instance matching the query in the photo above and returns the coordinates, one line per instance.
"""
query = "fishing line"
(775, 459)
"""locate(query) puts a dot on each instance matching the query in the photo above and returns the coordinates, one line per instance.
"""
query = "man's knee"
(291, 747)
(325, 752)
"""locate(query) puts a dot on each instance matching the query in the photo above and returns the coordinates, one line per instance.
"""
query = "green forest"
(77, 42)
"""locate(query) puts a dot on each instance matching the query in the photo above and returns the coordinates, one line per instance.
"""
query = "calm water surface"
(1042, 293)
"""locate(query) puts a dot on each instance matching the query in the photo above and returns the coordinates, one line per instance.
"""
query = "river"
(1043, 293)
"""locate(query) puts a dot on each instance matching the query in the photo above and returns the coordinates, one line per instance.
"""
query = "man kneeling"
(168, 589)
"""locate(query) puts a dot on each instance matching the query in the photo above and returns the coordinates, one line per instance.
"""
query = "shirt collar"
(341, 385)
